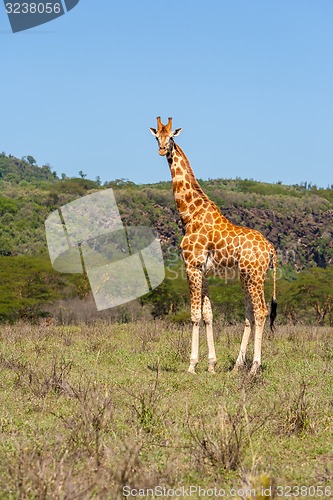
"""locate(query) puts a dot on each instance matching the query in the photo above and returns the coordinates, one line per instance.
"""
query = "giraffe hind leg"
(240, 361)
(248, 328)
(194, 347)
(260, 315)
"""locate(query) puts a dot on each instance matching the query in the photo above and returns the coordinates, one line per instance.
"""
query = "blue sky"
(250, 83)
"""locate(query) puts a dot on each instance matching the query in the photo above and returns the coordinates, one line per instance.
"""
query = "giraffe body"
(213, 244)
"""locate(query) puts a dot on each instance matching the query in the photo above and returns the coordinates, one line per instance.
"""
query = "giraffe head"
(164, 135)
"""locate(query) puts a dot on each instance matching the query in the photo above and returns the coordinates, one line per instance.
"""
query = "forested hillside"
(298, 220)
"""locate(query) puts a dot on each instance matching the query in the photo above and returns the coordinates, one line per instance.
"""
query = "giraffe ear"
(176, 132)
(153, 131)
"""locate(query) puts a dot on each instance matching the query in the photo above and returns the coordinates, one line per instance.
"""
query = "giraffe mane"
(194, 182)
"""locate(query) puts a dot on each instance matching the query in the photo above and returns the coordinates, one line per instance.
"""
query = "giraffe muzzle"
(162, 151)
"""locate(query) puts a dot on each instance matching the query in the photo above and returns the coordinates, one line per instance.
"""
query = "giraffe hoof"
(191, 370)
(238, 366)
(255, 369)
(211, 368)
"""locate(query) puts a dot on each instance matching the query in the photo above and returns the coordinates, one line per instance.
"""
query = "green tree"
(309, 296)
(31, 160)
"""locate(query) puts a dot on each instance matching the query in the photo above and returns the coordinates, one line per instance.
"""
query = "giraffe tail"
(273, 312)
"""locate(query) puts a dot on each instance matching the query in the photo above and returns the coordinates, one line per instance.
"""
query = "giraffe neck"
(189, 197)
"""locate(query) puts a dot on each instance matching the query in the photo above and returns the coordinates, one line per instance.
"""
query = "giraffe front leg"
(211, 347)
(194, 277)
(195, 347)
(208, 319)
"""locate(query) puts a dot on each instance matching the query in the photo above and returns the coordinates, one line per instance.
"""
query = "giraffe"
(214, 244)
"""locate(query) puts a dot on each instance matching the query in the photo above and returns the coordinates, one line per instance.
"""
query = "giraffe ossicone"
(214, 244)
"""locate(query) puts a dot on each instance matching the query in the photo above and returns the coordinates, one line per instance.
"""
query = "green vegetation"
(15, 171)
(28, 284)
(88, 410)
(297, 219)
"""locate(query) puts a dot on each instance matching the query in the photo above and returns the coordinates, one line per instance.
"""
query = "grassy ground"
(96, 411)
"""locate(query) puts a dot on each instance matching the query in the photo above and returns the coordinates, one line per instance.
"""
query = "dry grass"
(89, 409)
